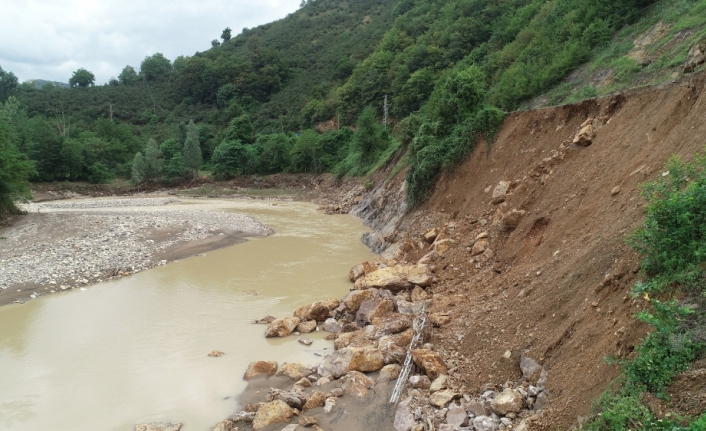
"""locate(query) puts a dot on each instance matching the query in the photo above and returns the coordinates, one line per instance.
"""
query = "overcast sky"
(49, 39)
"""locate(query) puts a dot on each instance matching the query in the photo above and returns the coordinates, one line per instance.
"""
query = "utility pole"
(386, 110)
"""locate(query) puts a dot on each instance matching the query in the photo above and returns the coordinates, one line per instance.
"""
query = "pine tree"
(153, 160)
(138, 168)
(192, 149)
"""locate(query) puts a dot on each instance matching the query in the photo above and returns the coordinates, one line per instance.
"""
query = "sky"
(49, 39)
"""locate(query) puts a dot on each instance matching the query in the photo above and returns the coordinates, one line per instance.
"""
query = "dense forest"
(308, 93)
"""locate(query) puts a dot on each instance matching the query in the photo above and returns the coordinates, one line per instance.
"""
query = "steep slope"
(551, 279)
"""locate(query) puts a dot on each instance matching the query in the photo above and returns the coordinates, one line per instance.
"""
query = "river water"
(135, 350)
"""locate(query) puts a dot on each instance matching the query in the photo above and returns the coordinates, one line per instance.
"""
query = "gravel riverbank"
(60, 246)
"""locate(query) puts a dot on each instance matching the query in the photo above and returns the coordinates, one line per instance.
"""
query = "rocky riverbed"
(70, 244)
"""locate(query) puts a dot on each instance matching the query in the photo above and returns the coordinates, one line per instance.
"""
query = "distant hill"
(40, 83)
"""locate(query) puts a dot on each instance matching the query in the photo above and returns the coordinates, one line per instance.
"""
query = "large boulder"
(158, 426)
(318, 311)
(430, 362)
(404, 419)
(531, 369)
(396, 278)
(389, 372)
(373, 309)
(486, 423)
(271, 413)
(295, 371)
(362, 269)
(356, 384)
(282, 327)
(441, 398)
(585, 135)
(332, 325)
(335, 364)
(695, 57)
(225, 425)
(260, 369)
(394, 347)
(317, 399)
(307, 327)
(366, 359)
(294, 398)
(392, 323)
(354, 298)
(507, 401)
(456, 415)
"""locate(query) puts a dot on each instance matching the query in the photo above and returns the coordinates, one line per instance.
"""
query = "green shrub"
(99, 173)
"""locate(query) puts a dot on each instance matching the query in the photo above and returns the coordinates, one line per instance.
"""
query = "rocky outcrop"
(695, 57)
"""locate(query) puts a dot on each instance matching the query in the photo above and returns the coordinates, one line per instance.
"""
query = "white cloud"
(49, 39)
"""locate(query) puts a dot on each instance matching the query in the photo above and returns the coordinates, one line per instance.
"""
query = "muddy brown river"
(135, 350)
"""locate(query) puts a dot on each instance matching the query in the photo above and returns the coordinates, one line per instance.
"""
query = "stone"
(260, 369)
(271, 413)
(448, 427)
(394, 347)
(506, 422)
(225, 425)
(441, 398)
(695, 57)
(510, 220)
(430, 362)
(291, 427)
(509, 400)
(354, 298)
(486, 423)
(246, 417)
(430, 235)
(323, 381)
(317, 311)
(282, 327)
(317, 399)
(477, 408)
(294, 398)
(392, 324)
(332, 325)
(479, 247)
(357, 384)
(307, 327)
(440, 383)
(361, 269)
(366, 359)
(250, 408)
(456, 415)
(541, 401)
(585, 135)
(404, 307)
(215, 354)
(396, 278)
(336, 364)
(329, 404)
(303, 382)
(531, 370)
(441, 247)
(439, 319)
(615, 190)
(404, 419)
(307, 421)
(372, 310)
(419, 294)
(419, 382)
(500, 191)
(266, 320)
(158, 426)
(295, 371)
(389, 372)
(306, 341)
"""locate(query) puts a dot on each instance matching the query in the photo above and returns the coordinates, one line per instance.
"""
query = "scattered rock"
(511, 219)
(695, 57)
(373, 309)
(440, 383)
(418, 294)
(317, 399)
(307, 327)
(404, 419)
(441, 398)
(439, 319)
(456, 415)
(585, 135)
(353, 300)
(420, 382)
(318, 311)
(282, 327)
(336, 364)
(332, 325)
(215, 354)
(357, 384)
(226, 425)
(396, 278)
(158, 426)
(305, 341)
(307, 421)
(509, 400)
(295, 371)
(271, 413)
(479, 247)
(266, 320)
(260, 368)
(500, 191)
(615, 190)
(361, 269)
(329, 404)
(389, 372)
(366, 359)
(431, 235)
(531, 370)
(246, 417)
(486, 423)
(541, 401)
(478, 408)
(430, 362)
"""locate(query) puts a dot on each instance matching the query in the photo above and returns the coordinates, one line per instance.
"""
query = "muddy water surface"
(135, 350)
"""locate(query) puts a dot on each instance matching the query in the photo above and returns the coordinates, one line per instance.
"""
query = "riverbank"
(69, 244)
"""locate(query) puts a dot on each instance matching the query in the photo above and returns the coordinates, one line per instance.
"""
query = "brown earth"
(555, 288)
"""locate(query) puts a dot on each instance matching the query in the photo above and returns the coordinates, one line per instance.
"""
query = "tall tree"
(15, 168)
(139, 168)
(8, 84)
(155, 66)
(82, 78)
(192, 149)
(128, 76)
(226, 34)
(153, 159)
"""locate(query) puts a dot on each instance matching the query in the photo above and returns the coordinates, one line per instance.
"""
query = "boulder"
(318, 311)
(282, 327)
(303, 382)
(294, 398)
(317, 399)
(695, 57)
(266, 320)
(332, 325)
(456, 415)
(439, 319)
(478, 408)
(441, 398)
(362, 269)
(441, 247)
(585, 135)
(336, 364)
(430, 235)
(295, 371)
(344, 339)
(419, 382)
(357, 384)
(307, 421)
(419, 294)
(366, 359)
(440, 383)
(158, 426)
(329, 404)
(396, 278)
(507, 401)
(531, 369)
(394, 347)
(246, 416)
(404, 419)
(260, 369)
(392, 324)
(372, 310)
(389, 372)
(307, 327)
(225, 425)
(486, 423)
(354, 298)
(479, 247)
(500, 191)
(430, 362)
(271, 413)
(510, 220)
(404, 307)
(541, 401)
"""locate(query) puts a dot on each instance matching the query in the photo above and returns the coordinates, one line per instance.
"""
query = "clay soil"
(555, 288)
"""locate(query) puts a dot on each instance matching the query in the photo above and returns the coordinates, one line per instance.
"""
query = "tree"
(82, 78)
(128, 76)
(231, 158)
(15, 169)
(239, 129)
(215, 43)
(139, 168)
(155, 66)
(226, 34)
(153, 160)
(72, 159)
(8, 84)
(192, 149)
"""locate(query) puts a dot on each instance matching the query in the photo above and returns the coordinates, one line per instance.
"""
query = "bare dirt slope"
(555, 287)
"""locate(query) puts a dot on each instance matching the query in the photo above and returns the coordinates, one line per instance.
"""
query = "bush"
(232, 158)
(99, 173)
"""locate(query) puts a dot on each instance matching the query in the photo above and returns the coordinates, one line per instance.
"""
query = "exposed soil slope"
(554, 288)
